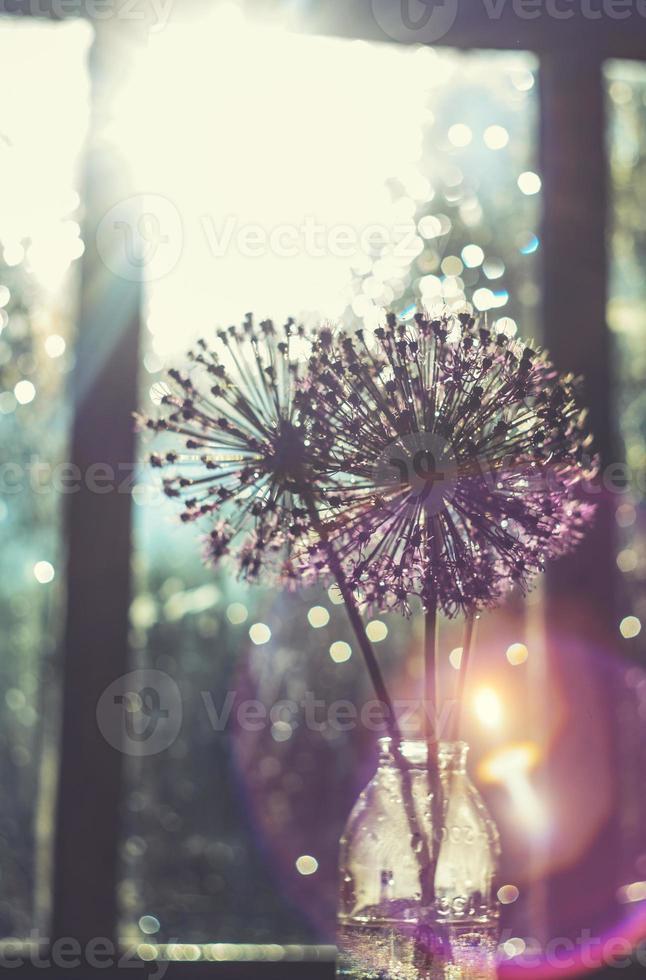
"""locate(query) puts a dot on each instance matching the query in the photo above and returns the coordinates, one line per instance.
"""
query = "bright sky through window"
(272, 159)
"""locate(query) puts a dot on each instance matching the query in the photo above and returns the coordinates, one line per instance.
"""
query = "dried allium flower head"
(462, 456)
(245, 458)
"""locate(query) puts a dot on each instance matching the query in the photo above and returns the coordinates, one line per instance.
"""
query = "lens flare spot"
(318, 616)
(517, 654)
(237, 613)
(514, 947)
(627, 560)
(634, 892)
(460, 135)
(509, 761)
(377, 631)
(307, 865)
(24, 392)
(472, 256)
(281, 731)
(630, 627)
(149, 924)
(529, 182)
(54, 345)
(44, 572)
(496, 137)
(455, 658)
(340, 651)
(259, 634)
(508, 894)
(488, 707)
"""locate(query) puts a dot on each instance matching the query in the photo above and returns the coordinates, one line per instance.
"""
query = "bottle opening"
(451, 755)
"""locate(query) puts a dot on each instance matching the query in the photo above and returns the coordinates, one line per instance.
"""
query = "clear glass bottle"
(466, 902)
(387, 931)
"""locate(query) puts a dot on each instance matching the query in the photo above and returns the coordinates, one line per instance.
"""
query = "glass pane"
(310, 177)
(42, 128)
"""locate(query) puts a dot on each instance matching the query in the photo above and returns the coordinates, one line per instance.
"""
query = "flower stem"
(467, 644)
(419, 840)
(432, 759)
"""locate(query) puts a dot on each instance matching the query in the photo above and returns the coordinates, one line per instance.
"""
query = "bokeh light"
(488, 707)
(307, 865)
(377, 631)
(529, 182)
(517, 653)
(44, 572)
(630, 627)
(237, 613)
(472, 256)
(55, 345)
(507, 894)
(149, 924)
(460, 135)
(259, 633)
(24, 392)
(318, 617)
(496, 137)
(340, 651)
(455, 658)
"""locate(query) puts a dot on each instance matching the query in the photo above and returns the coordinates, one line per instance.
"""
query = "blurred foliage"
(33, 437)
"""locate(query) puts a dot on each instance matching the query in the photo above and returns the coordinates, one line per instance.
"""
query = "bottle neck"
(452, 756)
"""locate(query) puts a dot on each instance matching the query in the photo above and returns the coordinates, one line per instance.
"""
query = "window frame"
(98, 529)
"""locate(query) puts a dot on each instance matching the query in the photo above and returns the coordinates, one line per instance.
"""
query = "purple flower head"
(246, 457)
(459, 458)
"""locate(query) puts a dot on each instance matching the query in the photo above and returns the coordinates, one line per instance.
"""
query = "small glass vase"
(386, 930)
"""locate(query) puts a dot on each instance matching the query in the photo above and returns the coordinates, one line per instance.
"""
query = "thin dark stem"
(419, 840)
(467, 644)
(430, 671)
(433, 765)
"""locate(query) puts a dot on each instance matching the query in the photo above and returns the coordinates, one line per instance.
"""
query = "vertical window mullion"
(575, 273)
(580, 590)
(104, 396)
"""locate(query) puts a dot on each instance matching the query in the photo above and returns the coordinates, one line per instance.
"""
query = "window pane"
(626, 87)
(42, 129)
(279, 154)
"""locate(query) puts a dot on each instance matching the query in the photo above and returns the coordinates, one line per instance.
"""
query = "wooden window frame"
(98, 529)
